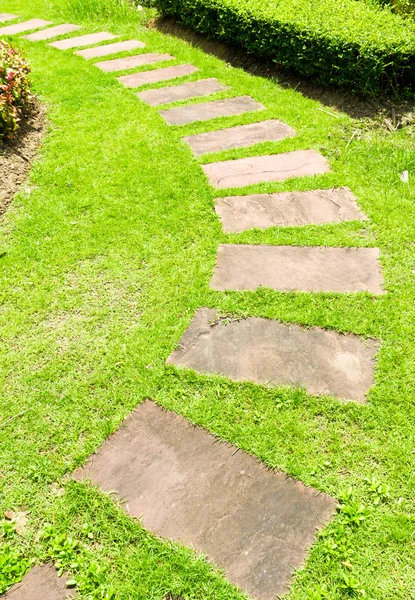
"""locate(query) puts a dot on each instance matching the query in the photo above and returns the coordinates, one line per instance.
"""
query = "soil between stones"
(16, 156)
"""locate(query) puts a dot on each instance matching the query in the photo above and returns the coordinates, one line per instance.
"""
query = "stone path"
(316, 207)
(258, 169)
(7, 17)
(210, 110)
(51, 32)
(83, 40)
(22, 27)
(100, 51)
(302, 268)
(257, 524)
(139, 79)
(185, 91)
(130, 62)
(272, 353)
(41, 583)
(239, 137)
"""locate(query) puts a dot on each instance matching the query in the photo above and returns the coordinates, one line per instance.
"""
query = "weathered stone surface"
(185, 91)
(210, 110)
(302, 268)
(287, 209)
(255, 523)
(52, 32)
(25, 26)
(108, 49)
(272, 353)
(130, 62)
(138, 79)
(239, 137)
(41, 583)
(7, 17)
(83, 40)
(258, 169)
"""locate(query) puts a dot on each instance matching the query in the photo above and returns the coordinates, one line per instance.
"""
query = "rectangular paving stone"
(52, 32)
(185, 91)
(239, 137)
(210, 110)
(271, 353)
(41, 583)
(108, 49)
(259, 169)
(130, 62)
(287, 209)
(301, 268)
(138, 79)
(255, 523)
(7, 17)
(24, 26)
(83, 40)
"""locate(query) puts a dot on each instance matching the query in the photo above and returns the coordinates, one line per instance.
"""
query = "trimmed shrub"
(343, 42)
(14, 90)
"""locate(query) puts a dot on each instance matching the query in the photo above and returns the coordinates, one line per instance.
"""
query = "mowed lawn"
(107, 252)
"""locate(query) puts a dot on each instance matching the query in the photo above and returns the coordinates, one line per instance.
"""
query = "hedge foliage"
(343, 42)
(14, 90)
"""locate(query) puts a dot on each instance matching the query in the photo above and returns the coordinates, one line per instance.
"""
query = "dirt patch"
(391, 114)
(16, 156)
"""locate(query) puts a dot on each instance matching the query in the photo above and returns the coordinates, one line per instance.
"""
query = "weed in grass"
(13, 564)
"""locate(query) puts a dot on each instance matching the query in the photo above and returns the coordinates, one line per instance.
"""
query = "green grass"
(109, 248)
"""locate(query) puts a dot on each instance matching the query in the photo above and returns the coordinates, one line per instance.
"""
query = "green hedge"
(341, 42)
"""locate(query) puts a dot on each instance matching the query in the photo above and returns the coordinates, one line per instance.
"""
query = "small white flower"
(139, 7)
(404, 177)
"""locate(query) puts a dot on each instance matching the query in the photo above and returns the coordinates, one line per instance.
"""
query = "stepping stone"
(287, 209)
(185, 91)
(7, 17)
(239, 137)
(100, 51)
(301, 268)
(210, 110)
(259, 169)
(271, 353)
(25, 26)
(41, 583)
(138, 79)
(130, 62)
(52, 32)
(83, 40)
(255, 523)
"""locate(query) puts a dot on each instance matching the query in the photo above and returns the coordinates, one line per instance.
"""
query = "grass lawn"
(108, 252)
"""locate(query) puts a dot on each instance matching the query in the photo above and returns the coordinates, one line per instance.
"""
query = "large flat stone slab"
(239, 137)
(271, 353)
(185, 91)
(259, 169)
(255, 523)
(24, 26)
(41, 583)
(210, 110)
(130, 62)
(138, 79)
(51, 32)
(83, 40)
(7, 17)
(287, 209)
(301, 268)
(108, 49)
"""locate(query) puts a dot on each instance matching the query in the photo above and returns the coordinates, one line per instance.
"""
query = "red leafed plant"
(14, 90)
